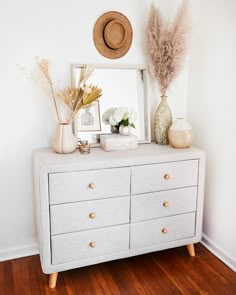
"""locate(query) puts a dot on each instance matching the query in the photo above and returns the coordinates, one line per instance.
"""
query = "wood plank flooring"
(168, 272)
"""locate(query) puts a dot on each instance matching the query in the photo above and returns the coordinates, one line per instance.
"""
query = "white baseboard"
(219, 252)
(19, 252)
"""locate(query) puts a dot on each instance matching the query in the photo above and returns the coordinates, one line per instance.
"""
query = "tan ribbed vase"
(64, 141)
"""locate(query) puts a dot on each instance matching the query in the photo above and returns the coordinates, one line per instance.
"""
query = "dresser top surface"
(98, 158)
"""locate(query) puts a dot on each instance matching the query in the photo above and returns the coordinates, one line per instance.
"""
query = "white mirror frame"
(145, 77)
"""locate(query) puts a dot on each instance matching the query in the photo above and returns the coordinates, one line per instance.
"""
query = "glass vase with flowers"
(120, 120)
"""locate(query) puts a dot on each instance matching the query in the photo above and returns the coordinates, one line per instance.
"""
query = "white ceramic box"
(117, 142)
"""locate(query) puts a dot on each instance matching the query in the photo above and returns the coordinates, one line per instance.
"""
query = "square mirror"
(122, 86)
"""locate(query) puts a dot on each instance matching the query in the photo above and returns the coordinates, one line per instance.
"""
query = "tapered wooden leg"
(53, 279)
(191, 249)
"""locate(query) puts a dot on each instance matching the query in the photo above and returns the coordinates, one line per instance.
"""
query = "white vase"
(180, 134)
(124, 130)
(64, 141)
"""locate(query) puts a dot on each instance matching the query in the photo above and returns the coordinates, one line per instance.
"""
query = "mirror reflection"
(121, 87)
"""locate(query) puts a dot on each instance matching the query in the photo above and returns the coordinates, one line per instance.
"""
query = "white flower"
(126, 116)
(119, 114)
(114, 116)
(107, 114)
(112, 120)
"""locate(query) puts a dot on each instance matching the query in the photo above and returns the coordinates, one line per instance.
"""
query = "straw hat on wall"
(112, 34)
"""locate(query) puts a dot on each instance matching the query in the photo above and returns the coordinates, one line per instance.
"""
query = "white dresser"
(109, 205)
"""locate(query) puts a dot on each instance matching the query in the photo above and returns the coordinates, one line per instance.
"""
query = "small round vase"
(64, 141)
(114, 129)
(162, 122)
(180, 134)
(124, 130)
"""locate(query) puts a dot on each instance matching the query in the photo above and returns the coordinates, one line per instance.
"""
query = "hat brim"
(98, 35)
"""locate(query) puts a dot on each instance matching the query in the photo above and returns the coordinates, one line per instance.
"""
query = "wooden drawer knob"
(92, 244)
(166, 204)
(92, 215)
(166, 176)
(164, 231)
(92, 185)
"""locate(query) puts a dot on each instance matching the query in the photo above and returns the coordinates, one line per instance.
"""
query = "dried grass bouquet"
(167, 44)
(68, 100)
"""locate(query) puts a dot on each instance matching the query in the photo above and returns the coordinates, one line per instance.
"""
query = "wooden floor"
(165, 272)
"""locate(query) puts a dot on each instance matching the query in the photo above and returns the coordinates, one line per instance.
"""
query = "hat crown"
(114, 34)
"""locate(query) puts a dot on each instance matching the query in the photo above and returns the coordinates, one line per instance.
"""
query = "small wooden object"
(191, 249)
(92, 215)
(166, 204)
(166, 176)
(92, 244)
(164, 231)
(53, 279)
(92, 185)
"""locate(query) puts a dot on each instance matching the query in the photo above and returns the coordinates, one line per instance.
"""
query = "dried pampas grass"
(167, 44)
(71, 99)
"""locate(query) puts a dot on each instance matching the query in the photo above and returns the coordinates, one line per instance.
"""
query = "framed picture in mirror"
(88, 118)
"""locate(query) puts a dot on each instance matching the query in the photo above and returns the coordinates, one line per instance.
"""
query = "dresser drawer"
(71, 217)
(75, 246)
(163, 203)
(88, 185)
(149, 233)
(150, 178)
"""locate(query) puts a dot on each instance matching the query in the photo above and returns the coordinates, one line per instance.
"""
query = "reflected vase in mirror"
(180, 134)
(64, 141)
(114, 129)
(124, 130)
(162, 122)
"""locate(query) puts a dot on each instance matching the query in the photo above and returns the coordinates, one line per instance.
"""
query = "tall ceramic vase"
(64, 141)
(162, 122)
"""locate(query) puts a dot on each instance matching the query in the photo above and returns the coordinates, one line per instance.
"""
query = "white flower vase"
(124, 130)
(180, 134)
(64, 141)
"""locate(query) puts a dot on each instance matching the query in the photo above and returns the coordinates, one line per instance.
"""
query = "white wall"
(211, 111)
(62, 32)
